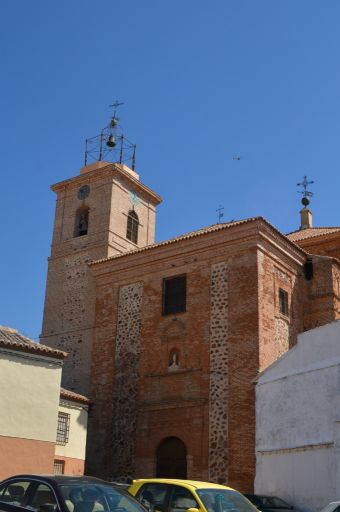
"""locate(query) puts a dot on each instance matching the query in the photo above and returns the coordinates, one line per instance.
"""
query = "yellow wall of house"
(75, 447)
(29, 398)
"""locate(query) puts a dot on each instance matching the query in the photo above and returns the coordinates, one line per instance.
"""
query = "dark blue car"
(59, 493)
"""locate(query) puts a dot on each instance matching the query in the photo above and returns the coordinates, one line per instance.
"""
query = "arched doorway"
(171, 459)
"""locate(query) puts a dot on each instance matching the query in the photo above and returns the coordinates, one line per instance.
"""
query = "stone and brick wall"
(70, 292)
(218, 390)
(228, 331)
(325, 245)
(321, 293)
(108, 316)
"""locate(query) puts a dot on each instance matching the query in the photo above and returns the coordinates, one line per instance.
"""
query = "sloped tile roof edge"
(12, 339)
(196, 233)
(72, 396)
(316, 234)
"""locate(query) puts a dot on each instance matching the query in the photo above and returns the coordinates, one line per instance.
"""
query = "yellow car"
(172, 495)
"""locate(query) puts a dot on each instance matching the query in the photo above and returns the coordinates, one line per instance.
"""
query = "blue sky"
(200, 81)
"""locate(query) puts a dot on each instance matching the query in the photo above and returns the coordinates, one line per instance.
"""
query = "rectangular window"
(283, 302)
(63, 428)
(174, 295)
(58, 467)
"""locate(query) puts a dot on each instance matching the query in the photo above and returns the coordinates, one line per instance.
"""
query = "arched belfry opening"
(82, 221)
(132, 226)
(171, 459)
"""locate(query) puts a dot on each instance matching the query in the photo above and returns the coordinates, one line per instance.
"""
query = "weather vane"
(110, 143)
(220, 213)
(306, 193)
(115, 105)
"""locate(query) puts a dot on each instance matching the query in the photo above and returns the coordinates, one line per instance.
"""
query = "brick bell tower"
(103, 211)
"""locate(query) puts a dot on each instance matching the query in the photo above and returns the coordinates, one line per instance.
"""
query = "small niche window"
(283, 302)
(63, 428)
(173, 360)
(132, 226)
(82, 222)
(174, 295)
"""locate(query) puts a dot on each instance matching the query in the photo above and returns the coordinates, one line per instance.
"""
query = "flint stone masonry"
(218, 392)
(126, 379)
(74, 290)
(69, 316)
(281, 336)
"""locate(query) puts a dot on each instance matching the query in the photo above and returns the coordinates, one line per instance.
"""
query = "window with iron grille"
(58, 467)
(174, 295)
(132, 227)
(283, 302)
(63, 428)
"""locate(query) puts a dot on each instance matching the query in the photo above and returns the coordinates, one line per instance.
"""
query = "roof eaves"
(32, 349)
(317, 234)
(197, 233)
(73, 397)
(180, 238)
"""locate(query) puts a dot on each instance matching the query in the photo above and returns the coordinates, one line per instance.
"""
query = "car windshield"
(98, 498)
(274, 502)
(224, 500)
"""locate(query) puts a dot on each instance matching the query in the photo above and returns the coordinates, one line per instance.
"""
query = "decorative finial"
(220, 213)
(306, 194)
(114, 118)
(111, 143)
(305, 213)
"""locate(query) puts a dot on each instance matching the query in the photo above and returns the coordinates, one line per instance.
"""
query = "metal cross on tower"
(220, 213)
(306, 193)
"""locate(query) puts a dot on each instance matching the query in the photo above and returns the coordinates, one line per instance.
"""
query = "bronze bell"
(111, 141)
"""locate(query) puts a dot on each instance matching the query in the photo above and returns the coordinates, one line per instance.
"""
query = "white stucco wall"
(76, 446)
(29, 395)
(297, 422)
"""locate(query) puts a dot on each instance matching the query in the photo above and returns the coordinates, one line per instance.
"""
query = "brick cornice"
(111, 170)
(242, 233)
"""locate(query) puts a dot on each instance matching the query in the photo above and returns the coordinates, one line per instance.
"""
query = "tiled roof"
(11, 338)
(72, 396)
(303, 234)
(186, 236)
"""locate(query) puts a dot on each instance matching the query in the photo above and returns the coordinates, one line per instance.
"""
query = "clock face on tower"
(84, 192)
(134, 199)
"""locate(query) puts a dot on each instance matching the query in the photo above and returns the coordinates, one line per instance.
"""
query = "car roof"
(262, 496)
(185, 483)
(61, 479)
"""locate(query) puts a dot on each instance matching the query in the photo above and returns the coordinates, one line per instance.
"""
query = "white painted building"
(298, 422)
(71, 433)
(42, 426)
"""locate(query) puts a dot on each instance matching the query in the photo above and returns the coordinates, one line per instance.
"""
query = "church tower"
(102, 212)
